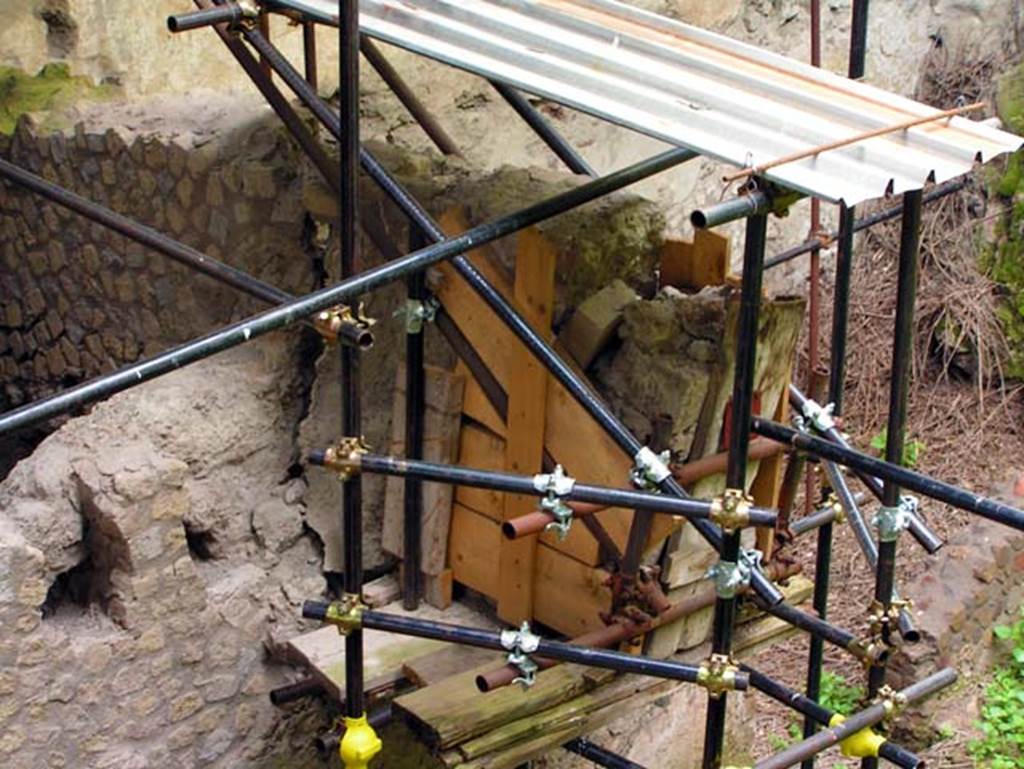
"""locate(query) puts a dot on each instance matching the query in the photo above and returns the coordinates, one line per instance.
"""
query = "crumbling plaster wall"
(127, 42)
(151, 555)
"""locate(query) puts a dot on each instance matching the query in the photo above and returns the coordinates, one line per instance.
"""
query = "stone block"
(184, 706)
(595, 321)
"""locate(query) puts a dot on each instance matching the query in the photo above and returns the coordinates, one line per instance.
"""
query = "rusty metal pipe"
(619, 632)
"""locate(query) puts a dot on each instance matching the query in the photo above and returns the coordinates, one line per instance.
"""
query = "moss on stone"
(1004, 258)
(52, 88)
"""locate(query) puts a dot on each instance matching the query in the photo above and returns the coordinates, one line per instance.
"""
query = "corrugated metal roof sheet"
(687, 86)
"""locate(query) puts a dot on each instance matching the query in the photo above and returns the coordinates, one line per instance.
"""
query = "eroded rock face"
(670, 347)
(148, 552)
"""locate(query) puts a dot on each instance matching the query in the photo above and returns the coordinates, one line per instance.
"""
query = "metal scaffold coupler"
(820, 417)
(521, 644)
(893, 701)
(732, 576)
(717, 674)
(837, 508)
(347, 325)
(555, 486)
(880, 617)
(418, 312)
(869, 650)
(892, 521)
(731, 511)
(346, 613)
(346, 457)
(650, 470)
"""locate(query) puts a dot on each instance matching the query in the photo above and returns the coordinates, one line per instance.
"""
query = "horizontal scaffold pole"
(356, 462)
(909, 479)
(493, 639)
(299, 309)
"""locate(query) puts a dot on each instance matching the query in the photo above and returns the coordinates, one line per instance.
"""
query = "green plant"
(1001, 745)
(912, 449)
(837, 694)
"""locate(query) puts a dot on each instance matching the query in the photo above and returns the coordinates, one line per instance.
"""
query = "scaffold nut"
(819, 416)
(837, 508)
(343, 324)
(717, 674)
(893, 701)
(650, 470)
(248, 8)
(359, 744)
(346, 613)
(731, 511)
(893, 521)
(346, 457)
(418, 312)
(521, 644)
(732, 576)
(862, 744)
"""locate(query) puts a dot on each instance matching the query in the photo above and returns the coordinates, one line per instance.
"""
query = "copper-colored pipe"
(534, 523)
(619, 632)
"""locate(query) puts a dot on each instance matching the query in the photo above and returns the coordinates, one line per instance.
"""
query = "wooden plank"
(481, 449)
(570, 435)
(524, 443)
(704, 262)
(443, 397)
(382, 591)
(768, 481)
(472, 549)
(568, 594)
(453, 710)
(437, 589)
(323, 650)
(566, 715)
(475, 404)
(452, 660)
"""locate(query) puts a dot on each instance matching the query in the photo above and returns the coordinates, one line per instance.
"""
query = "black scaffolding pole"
(908, 479)
(510, 640)
(529, 485)
(736, 470)
(889, 522)
(415, 406)
(836, 382)
(351, 410)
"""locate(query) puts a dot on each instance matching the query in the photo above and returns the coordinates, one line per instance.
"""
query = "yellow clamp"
(359, 744)
(345, 457)
(731, 511)
(862, 744)
(346, 614)
(717, 674)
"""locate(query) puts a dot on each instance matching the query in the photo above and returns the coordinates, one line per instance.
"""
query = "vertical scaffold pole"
(836, 383)
(899, 385)
(736, 470)
(415, 405)
(351, 418)
(858, 39)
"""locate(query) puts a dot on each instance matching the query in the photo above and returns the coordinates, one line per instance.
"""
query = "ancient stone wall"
(973, 584)
(79, 300)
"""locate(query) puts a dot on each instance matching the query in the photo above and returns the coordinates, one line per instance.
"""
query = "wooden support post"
(524, 445)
